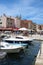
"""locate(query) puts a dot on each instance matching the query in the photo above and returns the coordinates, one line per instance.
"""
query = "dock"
(39, 58)
(37, 37)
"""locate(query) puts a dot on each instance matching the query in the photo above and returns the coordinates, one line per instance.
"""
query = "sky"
(28, 9)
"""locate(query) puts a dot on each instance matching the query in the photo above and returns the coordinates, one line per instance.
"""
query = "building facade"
(42, 27)
(39, 27)
(7, 21)
(34, 26)
(12, 22)
(26, 24)
(0, 21)
(17, 22)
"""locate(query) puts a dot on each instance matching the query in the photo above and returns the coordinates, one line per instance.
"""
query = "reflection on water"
(26, 58)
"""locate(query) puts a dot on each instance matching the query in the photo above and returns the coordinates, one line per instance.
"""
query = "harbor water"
(28, 57)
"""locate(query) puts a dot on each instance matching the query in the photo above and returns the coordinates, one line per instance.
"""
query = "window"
(0, 19)
(9, 41)
(0, 22)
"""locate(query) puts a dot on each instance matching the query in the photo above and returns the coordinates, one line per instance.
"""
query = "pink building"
(7, 21)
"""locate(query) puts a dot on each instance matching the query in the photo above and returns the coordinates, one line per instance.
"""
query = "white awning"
(22, 29)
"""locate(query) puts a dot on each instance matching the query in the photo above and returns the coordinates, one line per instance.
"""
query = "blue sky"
(28, 9)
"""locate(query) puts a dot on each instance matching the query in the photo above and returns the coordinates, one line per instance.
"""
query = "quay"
(37, 37)
(39, 58)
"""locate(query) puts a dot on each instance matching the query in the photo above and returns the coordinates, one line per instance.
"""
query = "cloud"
(28, 9)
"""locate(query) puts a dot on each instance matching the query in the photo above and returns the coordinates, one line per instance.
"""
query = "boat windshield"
(8, 41)
(25, 41)
(21, 42)
(17, 42)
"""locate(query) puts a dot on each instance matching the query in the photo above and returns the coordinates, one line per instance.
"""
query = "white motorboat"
(2, 36)
(2, 54)
(13, 44)
(6, 47)
(20, 38)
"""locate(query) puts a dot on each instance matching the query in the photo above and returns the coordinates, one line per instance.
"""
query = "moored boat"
(14, 44)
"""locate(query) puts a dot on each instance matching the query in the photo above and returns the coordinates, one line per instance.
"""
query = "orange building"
(26, 24)
(42, 27)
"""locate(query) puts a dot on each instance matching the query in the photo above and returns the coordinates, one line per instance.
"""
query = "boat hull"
(11, 50)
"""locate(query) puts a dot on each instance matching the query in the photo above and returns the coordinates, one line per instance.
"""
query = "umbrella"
(23, 29)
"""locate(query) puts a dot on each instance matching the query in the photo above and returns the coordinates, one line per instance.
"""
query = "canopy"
(23, 29)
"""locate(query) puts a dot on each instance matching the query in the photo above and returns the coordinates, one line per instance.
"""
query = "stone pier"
(39, 58)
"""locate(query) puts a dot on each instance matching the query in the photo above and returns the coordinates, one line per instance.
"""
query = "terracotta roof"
(27, 20)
